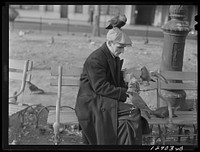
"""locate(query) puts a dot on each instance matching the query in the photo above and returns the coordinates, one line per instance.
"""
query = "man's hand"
(133, 85)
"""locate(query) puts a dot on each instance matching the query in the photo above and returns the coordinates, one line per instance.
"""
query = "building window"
(49, 8)
(116, 9)
(105, 9)
(29, 7)
(112, 9)
(78, 8)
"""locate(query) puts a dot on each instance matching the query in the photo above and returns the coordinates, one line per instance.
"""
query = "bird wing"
(160, 76)
(114, 21)
(33, 88)
(139, 102)
(117, 21)
(120, 24)
(145, 76)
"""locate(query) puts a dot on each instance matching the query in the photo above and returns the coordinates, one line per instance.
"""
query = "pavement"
(82, 26)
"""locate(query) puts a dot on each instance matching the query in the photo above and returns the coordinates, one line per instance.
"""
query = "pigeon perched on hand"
(117, 21)
(34, 89)
(13, 99)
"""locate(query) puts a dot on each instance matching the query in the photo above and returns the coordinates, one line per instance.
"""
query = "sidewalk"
(135, 30)
(76, 22)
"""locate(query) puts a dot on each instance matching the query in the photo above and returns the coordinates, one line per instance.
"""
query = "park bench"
(184, 118)
(63, 76)
(69, 76)
(19, 70)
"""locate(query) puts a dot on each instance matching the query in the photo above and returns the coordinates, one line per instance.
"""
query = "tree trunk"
(96, 28)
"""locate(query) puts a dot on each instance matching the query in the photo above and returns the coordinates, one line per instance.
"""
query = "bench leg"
(161, 135)
(56, 127)
(195, 132)
(180, 132)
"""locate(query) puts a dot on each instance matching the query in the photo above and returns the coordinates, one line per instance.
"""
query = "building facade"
(153, 15)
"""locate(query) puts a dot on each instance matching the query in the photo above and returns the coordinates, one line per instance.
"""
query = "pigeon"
(13, 99)
(15, 142)
(34, 89)
(117, 21)
(161, 112)
(146, 76)
(21, 33)
(52, 40)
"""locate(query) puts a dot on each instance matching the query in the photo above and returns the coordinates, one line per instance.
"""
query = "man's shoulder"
(98, 53)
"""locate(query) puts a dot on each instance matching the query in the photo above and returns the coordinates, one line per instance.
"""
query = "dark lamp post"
(175, 32)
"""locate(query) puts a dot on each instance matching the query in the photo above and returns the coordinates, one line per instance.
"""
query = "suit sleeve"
(123, 83)
(97, 76)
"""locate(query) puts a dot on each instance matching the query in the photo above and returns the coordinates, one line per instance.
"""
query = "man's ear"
(109, 43)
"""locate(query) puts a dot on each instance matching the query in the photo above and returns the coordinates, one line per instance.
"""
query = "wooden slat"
(179, 86)
(15, 108)
(67, 71)
(187, 120)
(182, 113)
(16, 64)
(19, 64)
(19, 76)
(69, 81)
(66, 117)
(30, 65)
(152, 86)
(179, 75)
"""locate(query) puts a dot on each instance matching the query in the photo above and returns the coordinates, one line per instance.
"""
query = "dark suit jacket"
(101, 88)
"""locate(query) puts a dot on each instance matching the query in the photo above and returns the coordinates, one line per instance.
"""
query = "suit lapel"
(112, 64)
(119, 66)
(112, 69)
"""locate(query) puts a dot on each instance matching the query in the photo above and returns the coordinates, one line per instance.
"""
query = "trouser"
(131, 126)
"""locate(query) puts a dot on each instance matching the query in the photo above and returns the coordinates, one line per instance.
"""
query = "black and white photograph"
(85, 75)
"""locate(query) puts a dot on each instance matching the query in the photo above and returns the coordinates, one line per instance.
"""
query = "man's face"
(117, 48)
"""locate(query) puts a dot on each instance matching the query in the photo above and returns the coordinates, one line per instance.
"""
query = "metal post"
(175, 32)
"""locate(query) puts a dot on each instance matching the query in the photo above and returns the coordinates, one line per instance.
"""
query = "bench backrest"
(20, 70)
(70, 75)
(64, 76)
(178, 80)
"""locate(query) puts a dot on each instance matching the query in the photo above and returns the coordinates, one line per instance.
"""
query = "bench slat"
(70, 81)
(176, 120)
(66, 117)
(19, 76)
(179, 86)
(151, 86)
(15, 108)
(19, 64)
(67, 71)
(179, 75)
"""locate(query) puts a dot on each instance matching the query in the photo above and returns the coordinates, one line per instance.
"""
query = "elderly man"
(102, 114)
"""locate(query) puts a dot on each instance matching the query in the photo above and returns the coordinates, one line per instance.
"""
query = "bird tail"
(160, 76)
